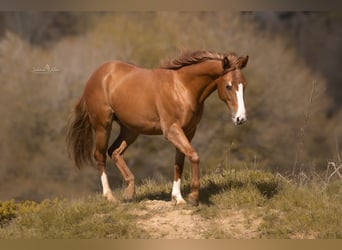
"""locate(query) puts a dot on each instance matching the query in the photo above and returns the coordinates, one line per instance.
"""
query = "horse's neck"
(200, 78)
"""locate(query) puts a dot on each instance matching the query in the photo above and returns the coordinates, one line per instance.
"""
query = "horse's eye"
(229, 86)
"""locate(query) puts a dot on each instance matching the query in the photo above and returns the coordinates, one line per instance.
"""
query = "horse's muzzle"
(239, 119)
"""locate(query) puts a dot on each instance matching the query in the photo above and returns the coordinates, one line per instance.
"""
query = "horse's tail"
(79, 137)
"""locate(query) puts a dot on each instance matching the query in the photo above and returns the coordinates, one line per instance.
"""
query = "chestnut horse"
(168, 100)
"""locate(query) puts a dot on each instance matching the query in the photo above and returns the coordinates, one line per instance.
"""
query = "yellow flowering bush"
(10, 209)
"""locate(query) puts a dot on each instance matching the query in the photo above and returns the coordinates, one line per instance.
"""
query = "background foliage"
(293, 97)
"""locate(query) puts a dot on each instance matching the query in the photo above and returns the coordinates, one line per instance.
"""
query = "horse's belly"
(138, 121)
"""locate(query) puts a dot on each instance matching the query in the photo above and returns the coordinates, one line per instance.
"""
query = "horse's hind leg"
(178, 170)
(101, 120)
(102, 133)
(116, 150)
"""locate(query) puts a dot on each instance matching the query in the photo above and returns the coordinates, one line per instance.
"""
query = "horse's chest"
(190, 114)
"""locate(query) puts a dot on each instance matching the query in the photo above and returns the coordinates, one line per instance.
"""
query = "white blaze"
(241, 111)
(176, 192)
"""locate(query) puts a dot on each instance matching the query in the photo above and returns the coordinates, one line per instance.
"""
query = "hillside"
(233, 205)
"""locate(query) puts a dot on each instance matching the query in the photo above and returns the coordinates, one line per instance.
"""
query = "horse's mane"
(193, 57)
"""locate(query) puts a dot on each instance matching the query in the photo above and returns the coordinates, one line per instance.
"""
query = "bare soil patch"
(164, 220)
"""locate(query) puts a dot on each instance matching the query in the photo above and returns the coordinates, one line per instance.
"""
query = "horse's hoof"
(110, 197)
(193, 199)
(179, 201)
(129, 193)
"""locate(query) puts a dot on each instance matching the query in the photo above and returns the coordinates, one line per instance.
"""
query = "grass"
(86, 218)
(287, 210)
(305, 212)
(258, 203)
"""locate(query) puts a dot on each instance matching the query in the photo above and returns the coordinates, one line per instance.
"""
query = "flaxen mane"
(193, 57)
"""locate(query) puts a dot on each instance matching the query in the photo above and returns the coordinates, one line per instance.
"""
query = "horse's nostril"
(240, 120)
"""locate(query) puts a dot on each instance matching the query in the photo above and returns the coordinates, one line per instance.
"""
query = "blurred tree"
(44, 28)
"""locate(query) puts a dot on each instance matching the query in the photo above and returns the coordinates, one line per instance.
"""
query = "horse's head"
(231, 86)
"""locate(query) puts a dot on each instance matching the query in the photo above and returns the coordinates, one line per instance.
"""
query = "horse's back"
(113, 74)
(129, 92)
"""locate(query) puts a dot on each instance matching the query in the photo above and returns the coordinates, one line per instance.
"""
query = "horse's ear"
(225, 63)
(243, 61)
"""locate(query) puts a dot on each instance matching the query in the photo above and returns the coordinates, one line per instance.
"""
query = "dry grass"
(233, 205)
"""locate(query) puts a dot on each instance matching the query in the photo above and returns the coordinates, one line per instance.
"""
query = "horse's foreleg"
(176, 136)
(177, 176)
(116, 152)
